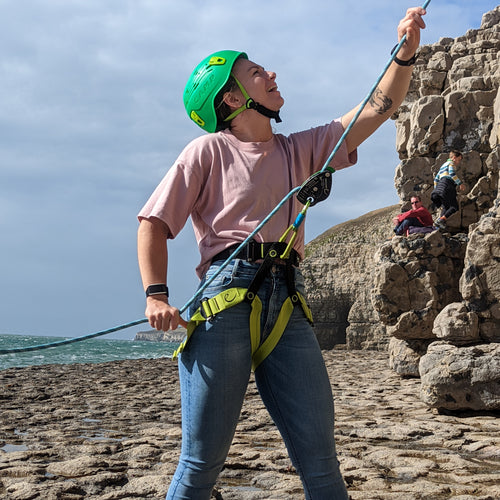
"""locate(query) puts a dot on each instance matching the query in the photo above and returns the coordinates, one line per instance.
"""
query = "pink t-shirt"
(228, 187)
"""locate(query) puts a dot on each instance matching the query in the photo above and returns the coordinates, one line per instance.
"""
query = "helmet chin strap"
(251, 104)
(263, 110)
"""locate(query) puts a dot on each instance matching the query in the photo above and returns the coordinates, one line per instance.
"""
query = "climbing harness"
(269, 252)
(210, 307)
(315, 189)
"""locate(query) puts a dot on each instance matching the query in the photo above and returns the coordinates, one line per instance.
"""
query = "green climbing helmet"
(205, 82)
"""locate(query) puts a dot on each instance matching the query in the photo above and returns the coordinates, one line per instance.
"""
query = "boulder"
(404, 356)
(457, 325)
(461, 378)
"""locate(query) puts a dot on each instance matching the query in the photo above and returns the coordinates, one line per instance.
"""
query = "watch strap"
(157, 289)
(400, 62)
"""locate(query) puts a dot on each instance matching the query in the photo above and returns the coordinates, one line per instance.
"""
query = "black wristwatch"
(158, 289)
(398, 61)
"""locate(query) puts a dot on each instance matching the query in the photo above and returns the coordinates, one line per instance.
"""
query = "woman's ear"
(233, 100)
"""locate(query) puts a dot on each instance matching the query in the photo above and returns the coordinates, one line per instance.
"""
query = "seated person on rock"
(418, 216)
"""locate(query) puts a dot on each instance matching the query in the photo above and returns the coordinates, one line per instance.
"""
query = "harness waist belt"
(254, 251)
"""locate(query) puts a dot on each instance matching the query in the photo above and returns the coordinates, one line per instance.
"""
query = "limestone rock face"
(480, 282)
(457, 325)
(443, 290)
(453, 103)
(454, 299)
(414, 279)
(338, 276)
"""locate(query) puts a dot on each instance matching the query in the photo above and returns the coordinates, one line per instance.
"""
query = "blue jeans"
(401, 228)
(293, 383)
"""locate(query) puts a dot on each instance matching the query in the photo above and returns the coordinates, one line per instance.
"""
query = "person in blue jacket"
(445, 188)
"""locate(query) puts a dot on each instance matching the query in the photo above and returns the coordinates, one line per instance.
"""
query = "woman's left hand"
(410, 26)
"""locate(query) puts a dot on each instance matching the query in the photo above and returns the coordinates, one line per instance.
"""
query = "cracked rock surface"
(112, 431)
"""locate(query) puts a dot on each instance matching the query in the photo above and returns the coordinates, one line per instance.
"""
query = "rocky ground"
(112, 431)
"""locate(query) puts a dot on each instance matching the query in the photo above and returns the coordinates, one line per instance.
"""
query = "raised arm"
(392, 88)
(153, 259)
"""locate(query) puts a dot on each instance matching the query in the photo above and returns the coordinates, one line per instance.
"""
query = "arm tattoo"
(380, 102)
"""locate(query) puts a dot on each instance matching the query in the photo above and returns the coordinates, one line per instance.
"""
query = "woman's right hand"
(161, 315)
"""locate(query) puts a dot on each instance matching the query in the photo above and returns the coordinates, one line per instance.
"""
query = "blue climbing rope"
(369, 95)
(73, 340)
(297, 223)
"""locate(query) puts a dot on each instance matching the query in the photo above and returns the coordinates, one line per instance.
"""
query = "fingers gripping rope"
(317, 188)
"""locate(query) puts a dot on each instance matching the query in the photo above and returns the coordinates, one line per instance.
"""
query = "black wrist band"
(158, 289)
(410, 61)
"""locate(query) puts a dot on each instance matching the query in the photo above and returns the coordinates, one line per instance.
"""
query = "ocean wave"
(95, 350)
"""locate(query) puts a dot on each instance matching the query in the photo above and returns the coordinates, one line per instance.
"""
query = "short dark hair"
(222, 110)
(458, 154)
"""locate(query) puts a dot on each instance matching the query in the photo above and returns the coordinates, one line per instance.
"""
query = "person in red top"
(417, 216)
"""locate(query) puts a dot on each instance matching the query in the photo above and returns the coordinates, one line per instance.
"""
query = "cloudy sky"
(91, 118)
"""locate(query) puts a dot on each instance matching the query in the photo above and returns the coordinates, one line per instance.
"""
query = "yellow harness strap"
(234, 296)
(209, 308)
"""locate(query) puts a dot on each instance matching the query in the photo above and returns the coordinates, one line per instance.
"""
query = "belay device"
(317, 188)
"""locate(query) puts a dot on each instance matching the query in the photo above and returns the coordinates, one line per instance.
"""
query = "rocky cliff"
(156, 336)
(433, 299)
(339, 277)
(451, 105)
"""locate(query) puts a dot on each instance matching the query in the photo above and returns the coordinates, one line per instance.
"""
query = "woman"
(228, 181)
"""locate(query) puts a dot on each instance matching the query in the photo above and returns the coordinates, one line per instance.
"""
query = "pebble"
(112, 431)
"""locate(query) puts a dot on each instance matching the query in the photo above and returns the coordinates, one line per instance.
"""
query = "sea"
(95, 350)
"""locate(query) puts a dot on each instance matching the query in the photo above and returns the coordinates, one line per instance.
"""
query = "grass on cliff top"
(373, 227)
